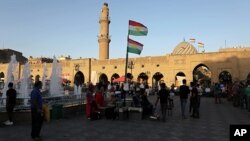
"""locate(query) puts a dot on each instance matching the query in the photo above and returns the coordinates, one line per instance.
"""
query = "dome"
(185, 48)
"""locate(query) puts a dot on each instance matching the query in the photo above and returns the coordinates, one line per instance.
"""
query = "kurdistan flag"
(192, 40)
(200, 44)
(137, 29)
(134, 47)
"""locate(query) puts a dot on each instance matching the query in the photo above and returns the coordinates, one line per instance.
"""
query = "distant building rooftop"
(232, 49)
(5, 55)
(62, 57)
(40, 60)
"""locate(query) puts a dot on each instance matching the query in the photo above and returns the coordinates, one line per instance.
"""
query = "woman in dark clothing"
(195, 102)
(146, 105)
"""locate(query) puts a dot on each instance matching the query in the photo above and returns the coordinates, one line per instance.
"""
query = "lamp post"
(131, 65)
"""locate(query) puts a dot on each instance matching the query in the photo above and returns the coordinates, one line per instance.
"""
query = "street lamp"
(131, 65)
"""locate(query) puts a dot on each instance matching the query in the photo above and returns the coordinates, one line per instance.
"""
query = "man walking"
(184, 91)
(10, 103)
(36, 111)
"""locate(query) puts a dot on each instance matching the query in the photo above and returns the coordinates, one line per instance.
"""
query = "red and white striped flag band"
(192, 40)
(200, 44)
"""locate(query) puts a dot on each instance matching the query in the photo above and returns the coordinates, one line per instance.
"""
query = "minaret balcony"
(104, 19)
(104, 38)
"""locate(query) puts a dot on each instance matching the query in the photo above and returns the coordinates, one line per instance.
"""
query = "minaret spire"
(104, 38)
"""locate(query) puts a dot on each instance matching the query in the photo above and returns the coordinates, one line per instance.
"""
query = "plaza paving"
(213, 125)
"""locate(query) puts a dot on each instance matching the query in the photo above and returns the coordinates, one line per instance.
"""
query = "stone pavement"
(213, 125)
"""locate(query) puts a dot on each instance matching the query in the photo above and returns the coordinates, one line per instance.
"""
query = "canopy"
(120, 79)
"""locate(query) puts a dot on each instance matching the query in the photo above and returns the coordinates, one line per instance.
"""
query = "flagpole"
(126, 69)
(126, 63)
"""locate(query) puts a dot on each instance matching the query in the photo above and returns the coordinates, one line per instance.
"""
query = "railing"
(66, 101)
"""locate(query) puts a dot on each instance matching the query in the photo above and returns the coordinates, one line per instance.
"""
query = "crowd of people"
(108, 94)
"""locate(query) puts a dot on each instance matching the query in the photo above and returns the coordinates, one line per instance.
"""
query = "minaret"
(103, 38)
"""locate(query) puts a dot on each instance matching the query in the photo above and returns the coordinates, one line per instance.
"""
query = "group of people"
(36, 108)
(96, 96)
(195, 93)
(239, 94)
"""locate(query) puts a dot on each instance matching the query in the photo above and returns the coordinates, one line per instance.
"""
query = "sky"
(44, 28)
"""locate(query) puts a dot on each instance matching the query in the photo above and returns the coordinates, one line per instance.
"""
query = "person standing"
(184, 91)
(10, 103)
(36, 111)
(195, 101)
(163, 95)
(146, 106)
(171, 97)
(89, 100)
(217, 93)
(247, 92)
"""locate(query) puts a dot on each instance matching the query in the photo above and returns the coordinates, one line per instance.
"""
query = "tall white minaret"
(103, 38)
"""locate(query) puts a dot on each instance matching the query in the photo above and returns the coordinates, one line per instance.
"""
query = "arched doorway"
(1, 80)
(248, 76)
(156, 79)
(79, 78)
(114, 76)
(1, 76)
(142, 77)
(37, 78)
(225, 77)
(178, 78)
(129, 76)
(202, 75)
(103, 79)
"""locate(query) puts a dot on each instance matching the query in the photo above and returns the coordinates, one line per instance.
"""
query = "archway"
(114, 76)
(248, 76)
(142, 77)
(129, 76)
(1, 80)
(37, 78)
(178, 78)
(1, 75)
(79, 78)
(156, 78)
(225, 77)
(202, 75)
(103, 79)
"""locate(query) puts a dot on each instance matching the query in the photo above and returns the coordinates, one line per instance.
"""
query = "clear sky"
(70, 27)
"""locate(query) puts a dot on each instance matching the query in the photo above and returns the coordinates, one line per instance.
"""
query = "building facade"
(226, 65)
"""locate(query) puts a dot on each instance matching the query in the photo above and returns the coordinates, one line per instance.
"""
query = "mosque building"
(185, 62)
